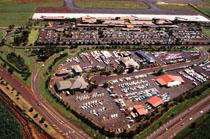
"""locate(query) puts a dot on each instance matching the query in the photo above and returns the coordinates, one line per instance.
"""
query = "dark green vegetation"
(117, 4)
(198, 129)
(10, 128)
(45, 52)
(17, 64)
(17, 12)
(18, 61)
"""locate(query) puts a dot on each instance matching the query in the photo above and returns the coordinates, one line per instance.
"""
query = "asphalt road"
(60, 123)
(153, 9)
(174, 126)
(204, 57)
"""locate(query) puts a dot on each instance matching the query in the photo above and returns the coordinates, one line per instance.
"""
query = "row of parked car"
(195, 75)
(145, 94)
(97, 112)
(132, 83)
(89, 96)
(134, 88)
(92, 103)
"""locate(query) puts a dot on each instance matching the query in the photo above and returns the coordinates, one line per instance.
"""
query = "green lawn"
(10, 127)
(116, 4)
(189, 131)
(175, 7)
(18, 75)
(2, 34)
(207, 32)
(33, 36)
(18, 14)
(205, 9)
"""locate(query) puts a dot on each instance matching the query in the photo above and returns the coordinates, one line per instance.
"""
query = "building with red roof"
(169, 80)
(155, 101)
(140, 109)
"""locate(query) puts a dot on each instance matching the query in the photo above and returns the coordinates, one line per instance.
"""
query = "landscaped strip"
(115, 4)
(2, 34)
(196, 128)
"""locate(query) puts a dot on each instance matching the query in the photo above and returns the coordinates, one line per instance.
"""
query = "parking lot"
(113, 106)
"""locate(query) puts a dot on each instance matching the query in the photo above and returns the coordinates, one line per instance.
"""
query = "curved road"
(51, 115)
(60, 123)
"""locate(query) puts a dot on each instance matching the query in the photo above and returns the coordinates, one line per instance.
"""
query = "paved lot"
(99, 100)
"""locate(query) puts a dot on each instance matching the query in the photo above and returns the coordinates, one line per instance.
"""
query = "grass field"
(17, 12)
(33, 36)
(207, 32)
(110, 4)
(173, 6)
(190, 132)
(2, 34)
(205, 9)
(18, 75)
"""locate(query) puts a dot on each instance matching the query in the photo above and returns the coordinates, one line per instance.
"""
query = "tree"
(11, 27)
(131, 69)
(10, 70)
(193, 125)
(36, 115)
(160, 72)
(42, 120)
(31, 109)
(105, 85)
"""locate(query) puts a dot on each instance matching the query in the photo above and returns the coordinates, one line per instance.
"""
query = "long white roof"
(198, 18)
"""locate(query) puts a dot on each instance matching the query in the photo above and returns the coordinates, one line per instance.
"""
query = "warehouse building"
(170, 80)
(143, 55)
(155, 101)
(77, 83)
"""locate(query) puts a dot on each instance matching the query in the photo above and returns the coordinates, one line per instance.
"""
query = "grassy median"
(114, 4)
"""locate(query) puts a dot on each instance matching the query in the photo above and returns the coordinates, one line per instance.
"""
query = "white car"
(201, 112)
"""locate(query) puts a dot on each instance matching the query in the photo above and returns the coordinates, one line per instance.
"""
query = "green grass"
(116, 4)
(15, 13)
(175, 110)
(175, 7)
(47, 95)
(18, 75)
(205, 9)
(10, 127)
(188, 131)
(33, 36)
(207, 32)
(2, 34)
